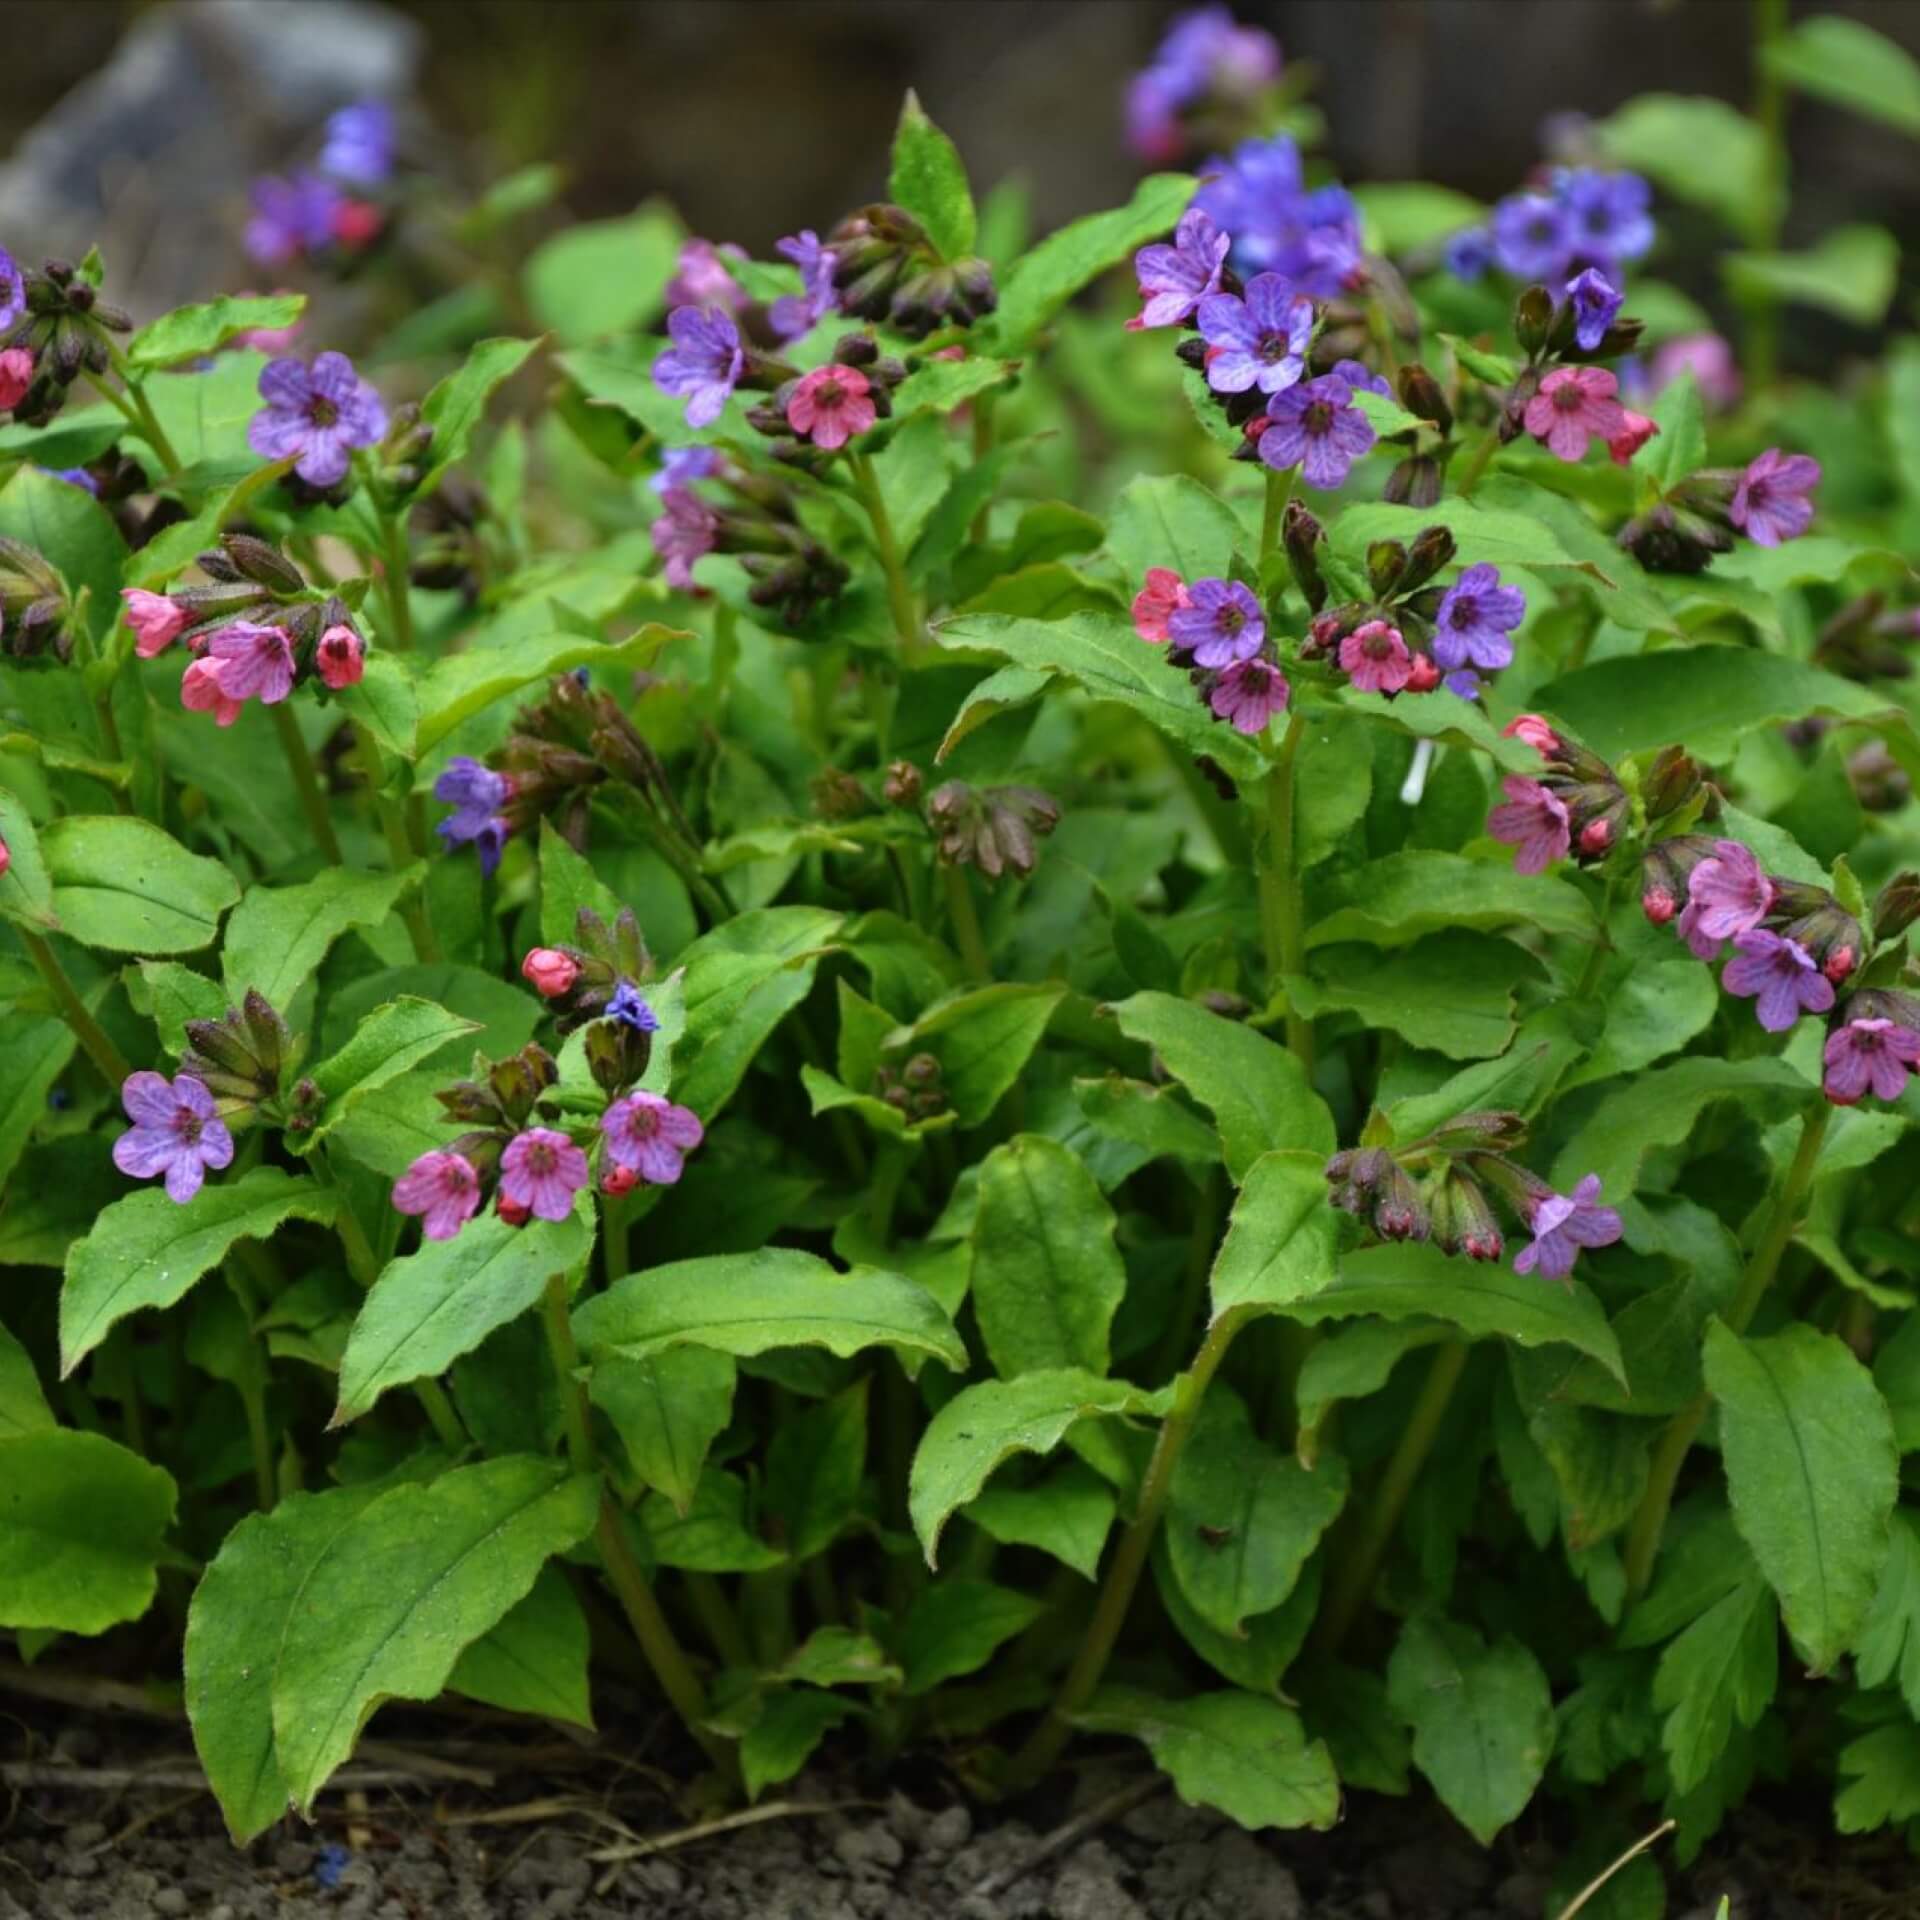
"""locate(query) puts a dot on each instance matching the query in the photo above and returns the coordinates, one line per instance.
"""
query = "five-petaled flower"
(157, 622)
(1563, 1224)
(1249, 694)
(1595, 301)
(650, 1136)
(251, 662)
(1260, 341)
(1779, 975)
(1164, 594)
(176, 1131)
(1533, 821)
(477, 794)
(1221, 623)
(316, 416)
(1868, 1056)
(1574, 404)
(1727, 895)
(1770, 503)
(541, 1171)
(441, 1187)
(1375, 658)
(1475, 618)
(704, 362)
(830, 405)
(1175, 280)
(1316, 427)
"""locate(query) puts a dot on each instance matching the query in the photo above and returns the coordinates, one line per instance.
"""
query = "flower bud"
(1420, 394)
(1423, 675)
(616, 1180)
(1415, 482)
(1386, 565)
(1898, 906)
(1533, 317)
(1302, 535)
(513, 1212)
(550, 971)
(340, 657)
(1670, 783)
(902, 787)
(1463, 1219)
(255, 560)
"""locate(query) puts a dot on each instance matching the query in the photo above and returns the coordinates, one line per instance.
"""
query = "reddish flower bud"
(616, 1180)
(513, 1212)
(1535, 732)
(157, 622)
(1423, 676)
(6, 858)
(1658, 905)
(1596, 836)
(1839, 963)
(16, 376)
(355, 223)
(341, 657)
(550, 972)
(1634, 434)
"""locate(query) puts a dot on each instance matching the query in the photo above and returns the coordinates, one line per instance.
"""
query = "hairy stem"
(1649, 1522)
(965, 918)
(1280, 891)
(86, 1029)
(906, 617)
(1478, 462)
(306, 781)
(396, 564)
(1279, 492)
(393, 824)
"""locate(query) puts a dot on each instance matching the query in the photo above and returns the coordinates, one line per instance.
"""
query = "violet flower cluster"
(1208, 71)
(1575, 219)
(306, 214)
(1310, 236)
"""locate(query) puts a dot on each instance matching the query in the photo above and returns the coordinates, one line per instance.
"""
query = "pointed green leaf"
(23, 1407)
(279, 935)
(1068, 1514)
(929, 179)
(457, 405)
(1280, 1239)
(534, 1658)
(123, 884)
(190, 333)
(780, 1742)
(26, 888)
(983, 1040)
(390, 1041)
(668, 1409)
(955, 1627)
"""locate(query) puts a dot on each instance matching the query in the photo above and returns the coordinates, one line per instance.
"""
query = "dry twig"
(1136, 1793)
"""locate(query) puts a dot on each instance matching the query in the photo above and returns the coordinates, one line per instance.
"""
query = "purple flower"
(1316, 427)
(1470, 254)
(1532, 236)
(176, 1131)
(1709, 358)
(1595, 301)
(359, 145)
(477, 794)
(1475, 617)
(1607, 217)
(444, 1188)
(1869, 1054)
(252, 662)
(315, 416)
(75, 477)
(542, 1170)
(681, 466)
(1206, 52)
(291, 218)
(1249, 694)
(1464, 682)
(13, 291)
(650, 1135)
(1312, 240)
(1534, 821)
(1260, 341)
(1727, 895)
(703, 363)
(1770, 504)
(700, 278)
(796, 313)
(1781, 973)
(630, 1006)
(1221, 624)
(1362, 378)
(1175, 280)
(1562, 1224)
(685, 531)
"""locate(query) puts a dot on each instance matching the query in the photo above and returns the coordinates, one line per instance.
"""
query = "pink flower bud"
(1634, 435)
(6, 858)
(1254, 428)
(1658, 905)
(617, 1180)
(201, 692)
(341, 657)
(549, 971)
(513, 1212)
(1596, 836)
(1535, 732)
(1482, 1246)
(16, 376)
(1423, 676)
(157, 622)
(1839, 963)
(355, 223)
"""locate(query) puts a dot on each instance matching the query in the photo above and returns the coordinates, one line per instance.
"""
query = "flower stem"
(393, 823)
(73, 1010)
(983, 412)
(1478, 461)
(1044, 1745)
(1280, 891)
(966, 923)
(1279, 492)
(1354, 1577)
(306, 781)
(906, 618)
(1670, 1454)
(399, 606)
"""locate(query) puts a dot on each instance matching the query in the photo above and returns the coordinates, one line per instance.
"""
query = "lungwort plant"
(948, 1012)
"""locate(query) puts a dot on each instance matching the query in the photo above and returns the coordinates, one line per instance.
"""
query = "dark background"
(757, 117)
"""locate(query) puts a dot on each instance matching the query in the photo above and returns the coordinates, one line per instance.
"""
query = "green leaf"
(1249, 1757)
(988, 1423)
(1384, 416)
(1068, 1515)
(387, 703)
(1171, 520)
(124, 885)
(145, 1251)
(603, 276)
(840, 1657)
(1396, 900)
(1255, 1089)
(1887, 1647)
(188, 333)
(82, 1522)
(1047, 1275)
(790, 1726)
(749, 1303)
(1413, 1279)
(814, 1465)
(1154, 1119)
(75, 533)
(26, 888)
(390, 1041)
(1600, 1465)
(1882, 1771)
(929, 179)
(403, 1590)
(1846, 62)
(713, 1535)
(534, 1658)
(1349, 1364)
(1851, 272)
(1813, 1474)
(1348, 1708)
(1256, 1658)
(171, 995)
(1043, 280)
(33, 1055)
(1451, 993)
(983, 1040)
(668, 1409)
(1506, 536)
(429, 1308)
(1699, 150)
(1280, 1244)
(1680, 447)
(23, 1407)
(1402, 215)
(458, 404)
(956, 1626)
(1243, 1517)
(279, 935)
(1721, 1669)
(1482, 1719)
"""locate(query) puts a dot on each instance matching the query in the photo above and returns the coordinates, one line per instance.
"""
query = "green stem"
(965, 919)
(252, 1380)
(1354, 1577)
(393, 824)
(613, 1237)
(306, 782)
(448, 1427)
(1279, 492)
(906, 618)
(250, 489)
(1761, 312)
(1045, 1744)
(1210, 1203)
(86, 1029)
(1602, 942)
(983, 418)
(399, 605)
(1478, 462)
(110, 737)
(1280, 892)
(556, 1317)
(1670, 1454)
(150, 429)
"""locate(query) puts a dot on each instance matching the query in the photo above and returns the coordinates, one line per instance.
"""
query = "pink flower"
(1535, 732)
(831, 405)
(1869, 1055)
(253, 663)
(341, 657)
(356, 223)
(1574, 402)
(1164, 595)
(1534, 821)
(176, 1131)
(1564, 1223)
(1249, 694)
(651, 1135)
(1709, 358)
(1779, 976)
(1634, 434)
(444, 1188)
(550, 971)
(201, 692)
(6, 859)
(157, 622)
(1727, 895)
(1375, 658)
(542, 1170)
(1770, 504)
(16, 376)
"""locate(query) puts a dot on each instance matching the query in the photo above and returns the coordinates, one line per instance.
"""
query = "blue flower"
(1595, 301)
(630, 1006)
(477, 794)
(1532, 236)
(359, 144)
(1470, 254)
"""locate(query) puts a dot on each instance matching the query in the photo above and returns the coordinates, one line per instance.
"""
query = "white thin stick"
(1639, 1847)
(1415, 784)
